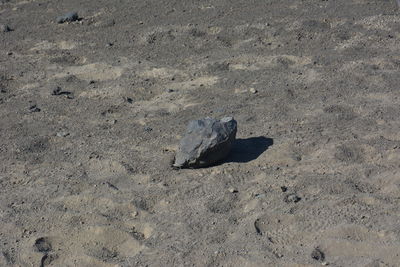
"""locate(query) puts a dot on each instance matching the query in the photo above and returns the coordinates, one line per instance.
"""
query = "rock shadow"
(245, 150)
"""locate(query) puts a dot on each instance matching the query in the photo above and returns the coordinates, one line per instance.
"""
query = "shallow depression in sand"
(94, 71)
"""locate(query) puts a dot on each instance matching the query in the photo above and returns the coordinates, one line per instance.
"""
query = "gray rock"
(206, 142)
(292, 198)
(34, 108)
(69, 17)
(43, 245)
(62, 134)
(4, 28)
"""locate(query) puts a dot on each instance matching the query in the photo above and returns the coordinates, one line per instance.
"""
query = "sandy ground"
(85, 176)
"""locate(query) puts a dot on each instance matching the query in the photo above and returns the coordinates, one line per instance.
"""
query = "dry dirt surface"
(92, 112)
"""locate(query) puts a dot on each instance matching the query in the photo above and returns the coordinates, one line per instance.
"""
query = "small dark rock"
(5, 28)
(110, 185)
(283, 188)
(256, 225)
(129, 100)
(137, 235)
(206, 142)
(233, 190)
(292, 198)
(43, 245)
(56, 91)
(253, 90)
(34, 108)
(148, 129)
(296, 157)
(69, 17)
(318, 255)
(59, 91)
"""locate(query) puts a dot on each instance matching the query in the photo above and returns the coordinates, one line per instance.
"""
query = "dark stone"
(56, 91)
(206, 142)
(110, 185)
(5, 28)
(256, 225)
(43, 245)
(34, 108)
(69, 17)
(318, 255)
(137, 235)
(292, 198)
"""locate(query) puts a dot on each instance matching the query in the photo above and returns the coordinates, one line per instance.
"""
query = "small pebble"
(56, 91)
(5, 28)
(257, 227)
(253, 91)
(34, 108)
(233, 190)
(62, 134)
(293, 198)
(69, 17)
(318, 255)
(43, 245)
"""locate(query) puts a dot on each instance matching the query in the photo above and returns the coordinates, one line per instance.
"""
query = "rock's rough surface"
(206, 142)
(69, 17)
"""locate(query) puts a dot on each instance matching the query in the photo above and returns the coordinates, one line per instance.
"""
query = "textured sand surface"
(85, 176)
